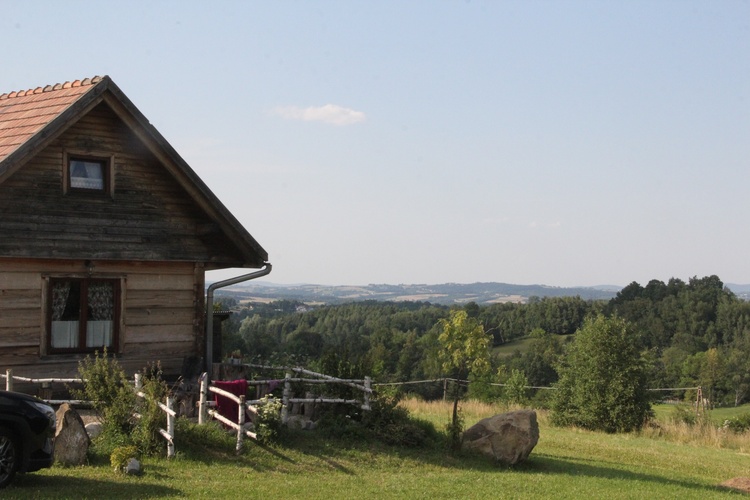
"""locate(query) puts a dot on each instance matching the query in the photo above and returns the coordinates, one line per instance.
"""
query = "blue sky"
(564, 143)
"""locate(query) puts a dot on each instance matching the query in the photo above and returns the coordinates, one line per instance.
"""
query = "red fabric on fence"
(228, 408)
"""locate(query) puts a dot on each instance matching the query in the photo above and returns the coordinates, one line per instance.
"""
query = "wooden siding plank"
(158, 298)
(20, 281)
(160, 282)
(149, 334)
(19, 337)
(159, 316)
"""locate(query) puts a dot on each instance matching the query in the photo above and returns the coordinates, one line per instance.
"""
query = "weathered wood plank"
(148, 334)
(20, 318)
(160, 282)
(159, 316)
(19, 280)
(19, 337)
(159, 298)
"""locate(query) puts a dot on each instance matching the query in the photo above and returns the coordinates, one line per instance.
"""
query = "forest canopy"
(688, 334)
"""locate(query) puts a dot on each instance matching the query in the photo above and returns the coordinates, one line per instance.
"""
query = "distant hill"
(447, 293)
(741, 291)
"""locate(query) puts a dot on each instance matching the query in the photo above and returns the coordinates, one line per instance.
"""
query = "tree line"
(687, 334)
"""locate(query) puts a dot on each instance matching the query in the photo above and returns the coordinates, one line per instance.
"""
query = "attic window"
(88, 174)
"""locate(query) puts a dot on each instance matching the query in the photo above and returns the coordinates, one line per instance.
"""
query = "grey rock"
(94, 429)
(133, 467)
(71, 440)
(508, 438)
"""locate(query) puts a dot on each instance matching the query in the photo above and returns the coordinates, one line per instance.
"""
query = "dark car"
(27, 431)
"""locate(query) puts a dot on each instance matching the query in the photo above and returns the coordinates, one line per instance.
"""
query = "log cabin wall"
(162, 314)
(148, 232)
(148, 215)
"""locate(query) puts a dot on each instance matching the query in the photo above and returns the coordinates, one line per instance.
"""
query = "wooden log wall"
(162, 317)
(148, 215)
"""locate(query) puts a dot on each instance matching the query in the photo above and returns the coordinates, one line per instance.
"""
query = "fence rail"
(168, 408)
(207, 409)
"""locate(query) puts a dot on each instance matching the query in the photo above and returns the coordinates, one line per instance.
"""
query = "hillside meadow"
(567, 463)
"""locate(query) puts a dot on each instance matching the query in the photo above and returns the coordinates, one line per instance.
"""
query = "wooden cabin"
(105, 235)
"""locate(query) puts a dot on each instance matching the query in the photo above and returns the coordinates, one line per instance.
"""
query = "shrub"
(455, 428)
(392, 424)
(113, 398)
(268, 420)
(515, 388)
(107, 387)
(386, 422)
(738, 424)
(145, 434)
(685, 414)
(121, 455)
(602, 382)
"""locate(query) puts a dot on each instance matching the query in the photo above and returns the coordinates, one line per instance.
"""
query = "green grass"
(521, 345)
(664, 412)
(567, 463)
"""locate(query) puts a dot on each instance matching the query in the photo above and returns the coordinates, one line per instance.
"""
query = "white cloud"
(330, 113)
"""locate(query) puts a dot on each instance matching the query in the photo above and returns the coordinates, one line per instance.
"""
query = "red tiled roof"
(26, 112)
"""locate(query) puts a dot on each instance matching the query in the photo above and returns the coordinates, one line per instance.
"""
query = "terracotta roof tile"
(23, 113)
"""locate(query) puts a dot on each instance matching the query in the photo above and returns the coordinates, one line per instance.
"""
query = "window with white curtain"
(84, 314)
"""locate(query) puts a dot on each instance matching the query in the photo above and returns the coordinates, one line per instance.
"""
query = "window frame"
(84, 283)
(107, 162)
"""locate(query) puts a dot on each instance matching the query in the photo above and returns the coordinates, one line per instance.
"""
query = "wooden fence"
(168, 408)
(207, 409)
(45, 383)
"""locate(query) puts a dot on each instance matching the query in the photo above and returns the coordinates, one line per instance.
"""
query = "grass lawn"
(567, 463)
(664, 412)
(521, 345)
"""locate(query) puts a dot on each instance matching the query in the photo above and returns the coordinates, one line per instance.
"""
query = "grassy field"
(717, 415)
(567, 463)
(521, 345)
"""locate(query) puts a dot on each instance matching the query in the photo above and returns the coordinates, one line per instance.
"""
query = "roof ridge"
(49, 88)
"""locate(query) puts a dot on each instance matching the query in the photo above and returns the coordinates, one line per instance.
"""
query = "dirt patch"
(741, 484)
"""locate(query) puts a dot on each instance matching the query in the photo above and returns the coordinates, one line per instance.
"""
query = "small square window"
(87, 174)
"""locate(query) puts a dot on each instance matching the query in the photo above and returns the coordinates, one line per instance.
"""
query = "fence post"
(138, 382)
(368, 387)
(9, 379)
(285, 397)
(241, 422)
(170, 427)
(203, 406)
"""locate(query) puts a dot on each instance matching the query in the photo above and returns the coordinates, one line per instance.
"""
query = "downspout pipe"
(210, 307)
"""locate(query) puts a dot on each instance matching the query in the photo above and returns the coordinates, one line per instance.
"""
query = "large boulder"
(71, 439)
(508, 438)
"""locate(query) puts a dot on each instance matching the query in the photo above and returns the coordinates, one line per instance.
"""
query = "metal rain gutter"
(210, 306)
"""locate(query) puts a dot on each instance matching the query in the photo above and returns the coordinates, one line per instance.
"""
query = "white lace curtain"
(60, 292)
(101, 301)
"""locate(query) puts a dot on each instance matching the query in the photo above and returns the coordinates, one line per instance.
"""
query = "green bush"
(106, 386)
(602, 382)
(114, 400)
(516, 388)
(268, 420)
(145, 434)
(738, 424)
(685, 414)
(386, 422)
(392, 424)
(121, 456)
